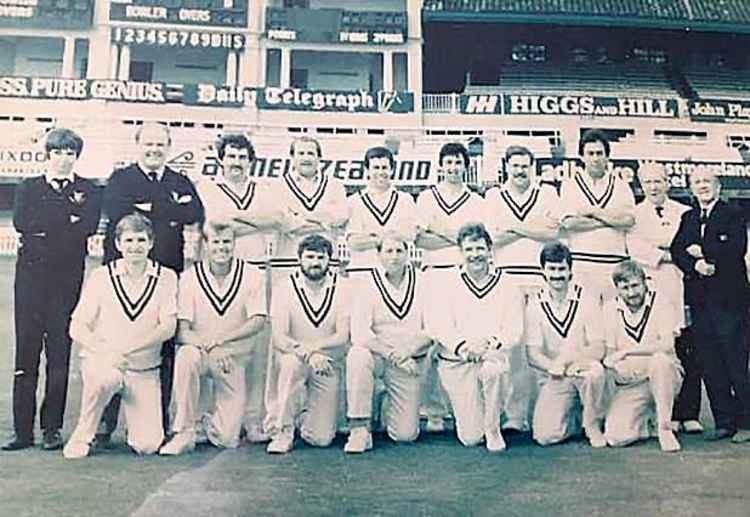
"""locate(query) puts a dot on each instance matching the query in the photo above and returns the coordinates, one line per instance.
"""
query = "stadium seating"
(736, 11)
(718, 83)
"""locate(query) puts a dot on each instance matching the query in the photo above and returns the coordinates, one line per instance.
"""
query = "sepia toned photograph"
(374, 258)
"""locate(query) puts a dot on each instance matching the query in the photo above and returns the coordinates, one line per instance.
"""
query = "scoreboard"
(215, 13)
(47, 14)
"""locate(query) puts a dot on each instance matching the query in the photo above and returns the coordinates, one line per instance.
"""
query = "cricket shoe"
(494, 441)
(691, 427)
(179, 444)
(256, 434)
(281, 443)
(76, 450)
(435, 424)
(596, 438)
(360, 440)
(667, 440)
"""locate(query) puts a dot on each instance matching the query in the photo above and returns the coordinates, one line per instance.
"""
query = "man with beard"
(478, 319)
(524, 215)
(377, 209)
(565, 341)
(310, 329)
(54, 214)
(709, 249)
(388, 343)
(251, 208)
(221, 305)
(128, 308)
(597, 210)
(312, 203)
(656, 221)
(640, 332)
(441, 211)
(169, 200)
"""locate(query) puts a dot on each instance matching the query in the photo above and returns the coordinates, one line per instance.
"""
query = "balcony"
(336, 26)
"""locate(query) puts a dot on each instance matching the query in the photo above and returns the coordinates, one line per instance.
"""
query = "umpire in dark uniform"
(710, 248)
(54, 214)
(170, 201)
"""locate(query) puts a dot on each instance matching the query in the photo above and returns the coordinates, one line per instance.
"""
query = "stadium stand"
(721, 10)
(717, 83)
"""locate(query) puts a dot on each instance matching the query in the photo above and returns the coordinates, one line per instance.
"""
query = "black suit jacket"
(724, 244)
(174, 203)
(55, 226)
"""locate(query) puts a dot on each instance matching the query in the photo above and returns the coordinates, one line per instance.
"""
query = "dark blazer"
(55, 226)
(174, 203)
(724, 244)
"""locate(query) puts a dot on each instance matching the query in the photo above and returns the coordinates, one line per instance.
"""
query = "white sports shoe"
(281, 443)
(435, 424)
(494, 441)
(76, 450)
(179, 444)
(691, 427)
(667, 440)
(255, 434)
(596, 438)
(360, 440)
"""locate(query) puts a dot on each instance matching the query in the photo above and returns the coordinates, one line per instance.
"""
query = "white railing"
(440, 102)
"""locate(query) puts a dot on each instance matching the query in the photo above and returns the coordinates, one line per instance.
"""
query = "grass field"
(433, 477)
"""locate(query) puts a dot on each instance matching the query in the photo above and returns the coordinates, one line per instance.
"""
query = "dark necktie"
(659, 211)
(60, 184)
(153, 176)
(704, 216)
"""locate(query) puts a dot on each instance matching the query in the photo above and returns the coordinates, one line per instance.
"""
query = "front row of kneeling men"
(616, 364)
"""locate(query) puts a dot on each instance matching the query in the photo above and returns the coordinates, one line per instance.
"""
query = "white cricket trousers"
(554, 418)
(307, 397)
(255, 379)
(401, 410)
(477, 393)
(633, 402)
(223, 423)
(141, 400)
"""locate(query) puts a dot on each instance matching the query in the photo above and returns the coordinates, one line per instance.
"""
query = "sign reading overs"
(719, 110)
(577, 105)
(184, 12)
(46, 15)
(177, 38)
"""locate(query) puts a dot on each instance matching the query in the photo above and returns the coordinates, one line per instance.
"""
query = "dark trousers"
(688, 403)
(720, 332)
(108, 423)
(44, 300)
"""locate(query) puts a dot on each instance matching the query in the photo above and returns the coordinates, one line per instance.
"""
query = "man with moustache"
(565, 342)
(524, 215)
(709, 249)
(54, 214)
(310, 329)
(128, 308)
(640, 332)
(169, 200)
(389, 342)
(312, 203)
(251, 208)
(656, 221)
(597, 210)
(377, 209)
(441, 211)
(221, 306)
(477, 319)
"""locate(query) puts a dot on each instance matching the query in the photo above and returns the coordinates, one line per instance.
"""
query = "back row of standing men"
(595, 212)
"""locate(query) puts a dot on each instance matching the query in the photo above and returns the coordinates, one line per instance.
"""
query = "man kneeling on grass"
(641, 357)
(127, 310)
(221, 304)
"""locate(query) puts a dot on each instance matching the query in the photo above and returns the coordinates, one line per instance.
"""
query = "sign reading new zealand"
(231, 14)
(46, 15)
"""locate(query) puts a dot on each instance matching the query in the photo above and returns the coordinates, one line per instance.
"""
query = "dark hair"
(145, 125)
(474, 231)
(214, 227)
(315, 242)
(628, 269)
(593, 135)
(518, 150)
(134, 223)
(555, 251)
(306, 138)
(62, 139)
(379, 152)
(454, 149)
(236, 141)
